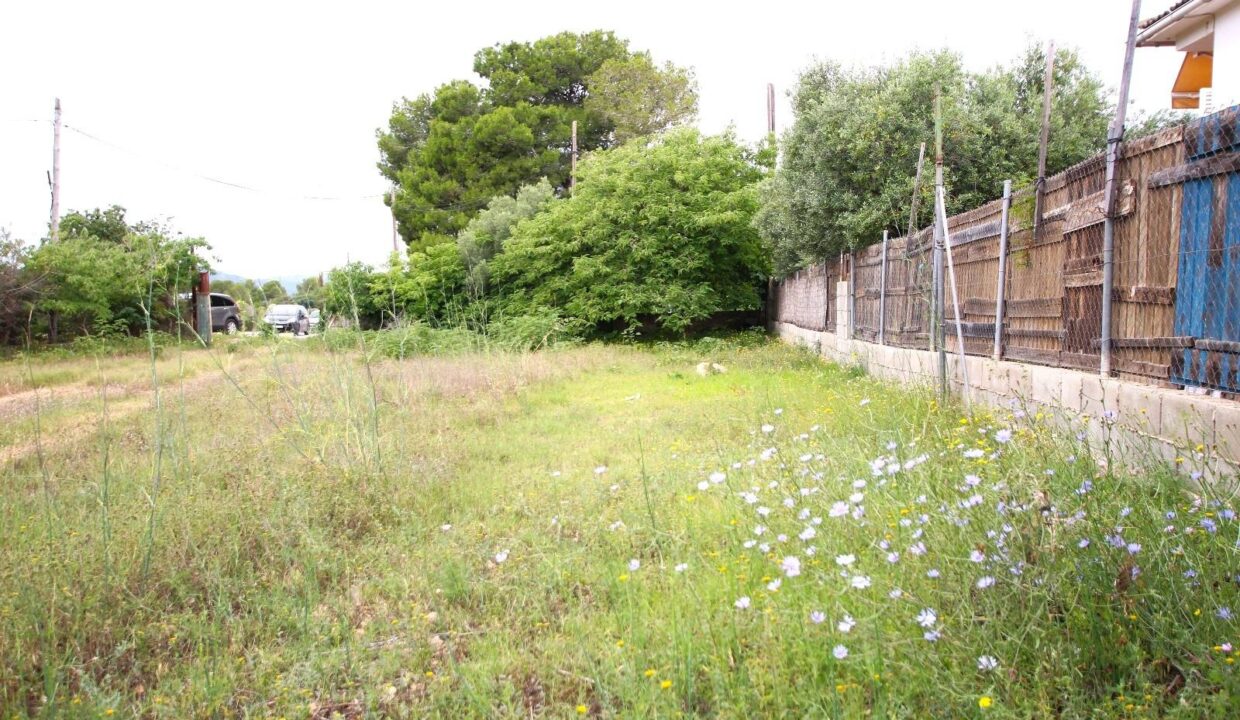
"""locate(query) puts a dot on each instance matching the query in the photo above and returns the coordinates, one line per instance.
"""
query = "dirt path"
(124, 401)
(19, 405)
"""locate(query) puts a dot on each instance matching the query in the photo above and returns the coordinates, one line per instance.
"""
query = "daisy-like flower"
(987, 663)
(501, 556)
(682, 567)
(742, 603)
(932, 573)
(1003, 436)
(845, 560)
(809, 533)
(817, 617)
(931, 635)
(985, 582)
(840, 652)
(791, 566)
(717, 477)
(846, 624)
(860, 582)
(703, 486)
(896, 594)
(768, 428)
(893, 557)
(763, 510)
(634, 565)
(768, 453)
(839, 509)
(773, 586)
(977, 556)
(1084, 543)
(973, 453)
(927, 618)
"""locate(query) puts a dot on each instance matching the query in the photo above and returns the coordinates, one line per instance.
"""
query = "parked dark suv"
(225, 315)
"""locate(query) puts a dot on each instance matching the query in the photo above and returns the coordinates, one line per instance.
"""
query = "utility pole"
(1048, 87)
(770, 108)
(1115, 135)
(56, 172)
(572, 173)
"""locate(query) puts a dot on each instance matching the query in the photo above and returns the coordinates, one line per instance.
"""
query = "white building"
(1208, 33)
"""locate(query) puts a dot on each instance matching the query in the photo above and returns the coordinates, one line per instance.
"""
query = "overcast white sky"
(284, 98)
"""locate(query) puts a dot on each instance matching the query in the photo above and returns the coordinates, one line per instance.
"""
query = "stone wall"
(1141, 421)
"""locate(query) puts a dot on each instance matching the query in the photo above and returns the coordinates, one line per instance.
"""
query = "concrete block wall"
(1143, 419)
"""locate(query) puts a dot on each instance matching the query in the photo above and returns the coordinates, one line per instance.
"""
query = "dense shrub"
(656, 230)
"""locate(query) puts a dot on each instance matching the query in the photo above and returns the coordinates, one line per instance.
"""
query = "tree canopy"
(105, 274)
(640, 98)
(660, 231)
(850, 156)
(451, 151)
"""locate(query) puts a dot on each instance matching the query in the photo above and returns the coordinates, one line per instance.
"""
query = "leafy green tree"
(660, 232)
(110, 282)
(17, 288)
(849, 158)
(348, 294)
(272, 291)
(429, 286)
(485, 235)
(450, 152)
(639, 98)
(310, 292)
(107, 225)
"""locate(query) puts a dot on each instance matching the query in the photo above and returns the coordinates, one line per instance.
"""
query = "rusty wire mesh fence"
(1032, 286)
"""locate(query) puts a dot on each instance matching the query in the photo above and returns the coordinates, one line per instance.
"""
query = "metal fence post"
(882, 296)
(1001, 289)
(1115, 135)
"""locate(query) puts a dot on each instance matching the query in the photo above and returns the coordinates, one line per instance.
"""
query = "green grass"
(327, 538)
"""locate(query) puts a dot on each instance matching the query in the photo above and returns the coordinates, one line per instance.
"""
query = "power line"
(446, 207)
(210, 178)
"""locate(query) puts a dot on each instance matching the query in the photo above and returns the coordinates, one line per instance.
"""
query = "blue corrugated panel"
(1214, 133)
(1207, 292)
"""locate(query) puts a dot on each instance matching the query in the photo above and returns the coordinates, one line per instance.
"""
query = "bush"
(660, 230)
(533, 331)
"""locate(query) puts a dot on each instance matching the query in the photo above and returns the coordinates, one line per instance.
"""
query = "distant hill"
(288, 281)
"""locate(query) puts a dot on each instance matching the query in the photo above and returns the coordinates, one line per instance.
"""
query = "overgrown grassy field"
(296, 530)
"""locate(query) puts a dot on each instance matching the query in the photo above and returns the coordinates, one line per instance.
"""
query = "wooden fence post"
(852, 294)
(882, 296)
(1001, 288)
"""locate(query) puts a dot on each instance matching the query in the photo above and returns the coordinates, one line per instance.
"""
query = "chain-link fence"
(1032, 289)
